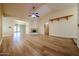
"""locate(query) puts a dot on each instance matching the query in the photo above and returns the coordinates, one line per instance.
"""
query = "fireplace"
(34, 30)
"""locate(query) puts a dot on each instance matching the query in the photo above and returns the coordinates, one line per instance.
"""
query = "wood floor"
(37, 45)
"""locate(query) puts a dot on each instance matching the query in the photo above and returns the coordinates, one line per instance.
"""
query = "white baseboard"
(64, 36)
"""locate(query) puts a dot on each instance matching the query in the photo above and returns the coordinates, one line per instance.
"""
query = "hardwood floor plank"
(38, 45)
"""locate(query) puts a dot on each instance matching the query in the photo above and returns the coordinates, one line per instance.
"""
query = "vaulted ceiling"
(18, 9)
(22, 10)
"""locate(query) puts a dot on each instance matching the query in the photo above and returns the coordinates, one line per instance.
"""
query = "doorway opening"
(46, 28)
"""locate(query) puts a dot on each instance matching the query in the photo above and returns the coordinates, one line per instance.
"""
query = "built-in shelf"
(59, 18)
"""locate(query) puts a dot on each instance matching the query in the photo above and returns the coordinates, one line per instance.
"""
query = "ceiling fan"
(34, 14)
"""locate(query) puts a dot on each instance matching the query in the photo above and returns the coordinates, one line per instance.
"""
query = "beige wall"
(62, 28)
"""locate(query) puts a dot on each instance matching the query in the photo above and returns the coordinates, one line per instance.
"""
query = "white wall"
(11, 21)
(8, 22)
(62, 28)
(27, 28)
(77, 26)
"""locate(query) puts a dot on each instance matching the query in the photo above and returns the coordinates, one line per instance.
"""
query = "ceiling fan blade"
(37, 16)
(36, 13)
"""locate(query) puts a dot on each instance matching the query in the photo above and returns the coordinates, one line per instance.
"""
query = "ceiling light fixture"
(34, 14)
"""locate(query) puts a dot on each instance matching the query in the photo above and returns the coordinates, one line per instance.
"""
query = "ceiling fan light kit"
(34, 14)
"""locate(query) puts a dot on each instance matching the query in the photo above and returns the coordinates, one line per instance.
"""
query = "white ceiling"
(46, 8)
(56, 6)
(22, 10)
